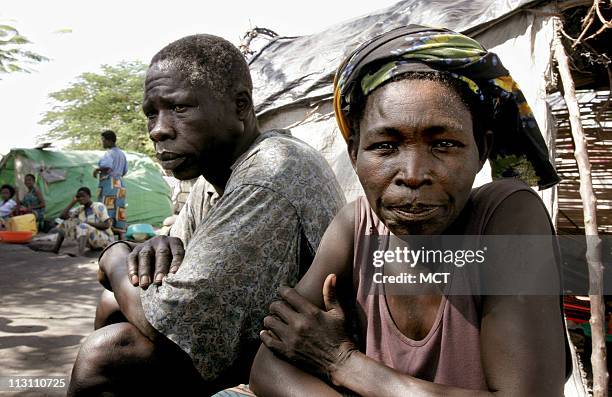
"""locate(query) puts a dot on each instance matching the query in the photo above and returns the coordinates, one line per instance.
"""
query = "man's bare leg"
(117, 360)
(108, 311)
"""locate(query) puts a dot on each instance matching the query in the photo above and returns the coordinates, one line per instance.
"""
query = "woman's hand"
(314, 339)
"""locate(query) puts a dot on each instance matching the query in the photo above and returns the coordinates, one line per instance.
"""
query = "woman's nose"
(162, 129)
(414, 169)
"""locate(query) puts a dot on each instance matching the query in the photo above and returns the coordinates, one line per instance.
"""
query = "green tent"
(59, 173)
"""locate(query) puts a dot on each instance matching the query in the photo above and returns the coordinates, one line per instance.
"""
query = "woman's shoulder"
(499, 189)
(508, 206)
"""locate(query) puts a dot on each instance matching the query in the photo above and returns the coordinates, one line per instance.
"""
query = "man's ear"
(486, 145)
(244, 104)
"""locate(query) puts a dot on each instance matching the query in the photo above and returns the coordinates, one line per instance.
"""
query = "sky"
(111, 31)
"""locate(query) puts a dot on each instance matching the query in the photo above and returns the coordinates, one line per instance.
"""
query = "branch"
(607, 24)
(594, 247)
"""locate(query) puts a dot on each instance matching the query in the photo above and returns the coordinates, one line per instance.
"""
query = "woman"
(112, 167)
(421, 109)
(88, 223)
(7, 203)
(33, 201)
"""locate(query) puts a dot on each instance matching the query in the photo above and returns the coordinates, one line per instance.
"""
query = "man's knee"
(109, 358)
(118, 342)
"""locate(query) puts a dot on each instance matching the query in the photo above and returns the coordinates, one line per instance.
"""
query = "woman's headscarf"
(518, 147)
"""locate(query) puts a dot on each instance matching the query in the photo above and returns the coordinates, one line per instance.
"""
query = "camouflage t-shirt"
(240, 247)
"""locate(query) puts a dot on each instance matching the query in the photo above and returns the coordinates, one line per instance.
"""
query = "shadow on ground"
(47, 306)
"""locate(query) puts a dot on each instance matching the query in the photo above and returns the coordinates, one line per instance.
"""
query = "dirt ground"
(47, 305)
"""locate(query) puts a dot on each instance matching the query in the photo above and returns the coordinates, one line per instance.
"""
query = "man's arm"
(113, 264)
(335, 255)
(236, 260)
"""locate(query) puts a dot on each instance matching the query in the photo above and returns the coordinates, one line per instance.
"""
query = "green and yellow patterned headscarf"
(518, 147)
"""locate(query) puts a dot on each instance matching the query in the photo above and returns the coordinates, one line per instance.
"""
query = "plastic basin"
(15, 237)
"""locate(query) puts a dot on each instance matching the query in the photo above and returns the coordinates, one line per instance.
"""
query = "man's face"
(194, 132)
(106, 144)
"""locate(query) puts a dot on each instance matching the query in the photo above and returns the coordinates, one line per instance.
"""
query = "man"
(88, 223)
(111, 188)
(251, 226)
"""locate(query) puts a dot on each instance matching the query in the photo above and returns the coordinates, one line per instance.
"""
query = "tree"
(110, 99)
(13, 57)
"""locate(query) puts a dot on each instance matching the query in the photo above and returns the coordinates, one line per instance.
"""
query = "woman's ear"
(352, 147)
(244, 105)
(487, 144)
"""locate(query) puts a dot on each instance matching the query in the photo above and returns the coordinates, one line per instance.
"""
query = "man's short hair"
(109, 135)
(84, 189)
(31, 176)
(207, 60)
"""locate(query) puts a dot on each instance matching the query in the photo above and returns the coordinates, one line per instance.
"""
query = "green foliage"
(110, 99)
(13, 56)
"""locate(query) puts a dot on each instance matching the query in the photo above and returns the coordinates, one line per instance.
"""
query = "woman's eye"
(384, 146)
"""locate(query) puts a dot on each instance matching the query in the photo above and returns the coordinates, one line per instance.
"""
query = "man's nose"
(414, 169)
(162, 128)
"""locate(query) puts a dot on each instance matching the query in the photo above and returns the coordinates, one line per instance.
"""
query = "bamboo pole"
(594, 249)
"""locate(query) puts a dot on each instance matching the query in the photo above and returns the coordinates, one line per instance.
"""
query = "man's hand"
(312, 338)
(154, 259)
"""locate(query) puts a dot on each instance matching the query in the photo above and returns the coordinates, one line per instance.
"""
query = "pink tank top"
(450, 353)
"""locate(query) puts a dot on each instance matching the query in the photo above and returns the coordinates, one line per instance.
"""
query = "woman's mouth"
(419, 213)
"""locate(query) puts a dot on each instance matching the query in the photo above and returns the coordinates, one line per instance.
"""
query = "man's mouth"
(170, 160)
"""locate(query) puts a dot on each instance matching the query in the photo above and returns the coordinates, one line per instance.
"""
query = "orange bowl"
(15, 237)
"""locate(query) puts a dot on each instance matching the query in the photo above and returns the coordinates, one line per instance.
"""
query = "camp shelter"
(59, 173)
(293, 76)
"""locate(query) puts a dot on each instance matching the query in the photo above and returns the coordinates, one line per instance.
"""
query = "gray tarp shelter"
(293, 76)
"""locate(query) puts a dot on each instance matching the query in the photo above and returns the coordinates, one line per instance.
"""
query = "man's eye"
(179, 108)
(151, 115)
(446, 144)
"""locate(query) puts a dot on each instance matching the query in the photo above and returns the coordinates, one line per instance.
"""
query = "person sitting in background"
(111, 188)
(88, 223)
(33, 201)
(7, 203)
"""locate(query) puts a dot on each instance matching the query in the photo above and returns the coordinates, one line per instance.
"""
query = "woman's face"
(5, 194)
(29, 182)
(83, 198)
(416, 157)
